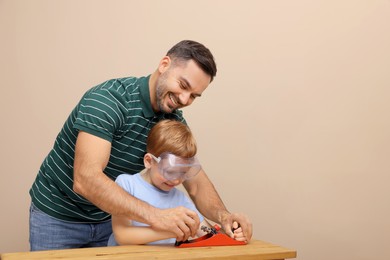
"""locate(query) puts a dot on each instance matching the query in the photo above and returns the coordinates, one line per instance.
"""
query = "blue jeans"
(47, 232)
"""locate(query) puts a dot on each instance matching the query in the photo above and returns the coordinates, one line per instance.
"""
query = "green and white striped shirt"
(118, 110)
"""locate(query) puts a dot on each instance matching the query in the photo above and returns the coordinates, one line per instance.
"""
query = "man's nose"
(184, 97)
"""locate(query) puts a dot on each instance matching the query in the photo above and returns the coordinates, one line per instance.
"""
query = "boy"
(170, 160)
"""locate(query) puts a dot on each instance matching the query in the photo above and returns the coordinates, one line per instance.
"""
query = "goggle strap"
(155, 158)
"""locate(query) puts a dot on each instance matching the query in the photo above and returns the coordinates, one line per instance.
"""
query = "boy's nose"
(176, 181)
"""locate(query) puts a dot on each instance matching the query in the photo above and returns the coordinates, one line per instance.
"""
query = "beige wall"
(294, 131)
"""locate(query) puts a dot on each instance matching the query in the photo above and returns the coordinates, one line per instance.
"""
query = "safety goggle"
(173, 167)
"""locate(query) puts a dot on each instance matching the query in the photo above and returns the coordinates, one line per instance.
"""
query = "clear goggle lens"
(173, 167)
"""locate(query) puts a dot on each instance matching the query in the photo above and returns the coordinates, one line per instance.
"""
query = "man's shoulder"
(119, 89)
(122, 84)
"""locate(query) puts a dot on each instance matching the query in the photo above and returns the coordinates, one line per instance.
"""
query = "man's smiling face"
(179, 85)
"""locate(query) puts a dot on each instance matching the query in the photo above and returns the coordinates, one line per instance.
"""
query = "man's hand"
(181, 221)
(239, 222)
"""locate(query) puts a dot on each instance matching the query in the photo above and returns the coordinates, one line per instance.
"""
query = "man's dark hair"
(192, 50)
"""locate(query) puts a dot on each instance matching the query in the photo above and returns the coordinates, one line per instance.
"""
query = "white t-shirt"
(136, 186)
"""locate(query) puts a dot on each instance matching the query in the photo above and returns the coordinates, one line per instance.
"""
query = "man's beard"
(160, 89)
(159, 98)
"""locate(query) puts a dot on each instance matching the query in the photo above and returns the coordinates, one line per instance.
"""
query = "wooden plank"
(254, 250)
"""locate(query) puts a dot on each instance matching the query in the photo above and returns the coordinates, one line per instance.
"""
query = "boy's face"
(158, 180)
(179, 85)
(168, 170)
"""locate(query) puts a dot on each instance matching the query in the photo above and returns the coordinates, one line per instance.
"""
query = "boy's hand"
(237, 233)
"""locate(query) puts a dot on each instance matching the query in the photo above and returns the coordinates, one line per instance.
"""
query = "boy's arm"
(126, 234)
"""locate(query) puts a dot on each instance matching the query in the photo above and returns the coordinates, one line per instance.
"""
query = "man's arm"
(91, 157)
(209, 203)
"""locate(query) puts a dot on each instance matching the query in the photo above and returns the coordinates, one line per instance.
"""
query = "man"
(104, 136)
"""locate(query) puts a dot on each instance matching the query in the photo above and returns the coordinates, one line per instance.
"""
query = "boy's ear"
(148, 160)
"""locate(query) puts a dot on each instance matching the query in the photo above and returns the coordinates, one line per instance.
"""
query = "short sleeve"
(124, 182)
(101, 113)
(190, 205)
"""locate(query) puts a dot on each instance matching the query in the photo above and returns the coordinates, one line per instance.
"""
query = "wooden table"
(254, 250)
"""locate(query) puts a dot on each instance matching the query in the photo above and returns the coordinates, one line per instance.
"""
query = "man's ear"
(148, 161)
(164, 65)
